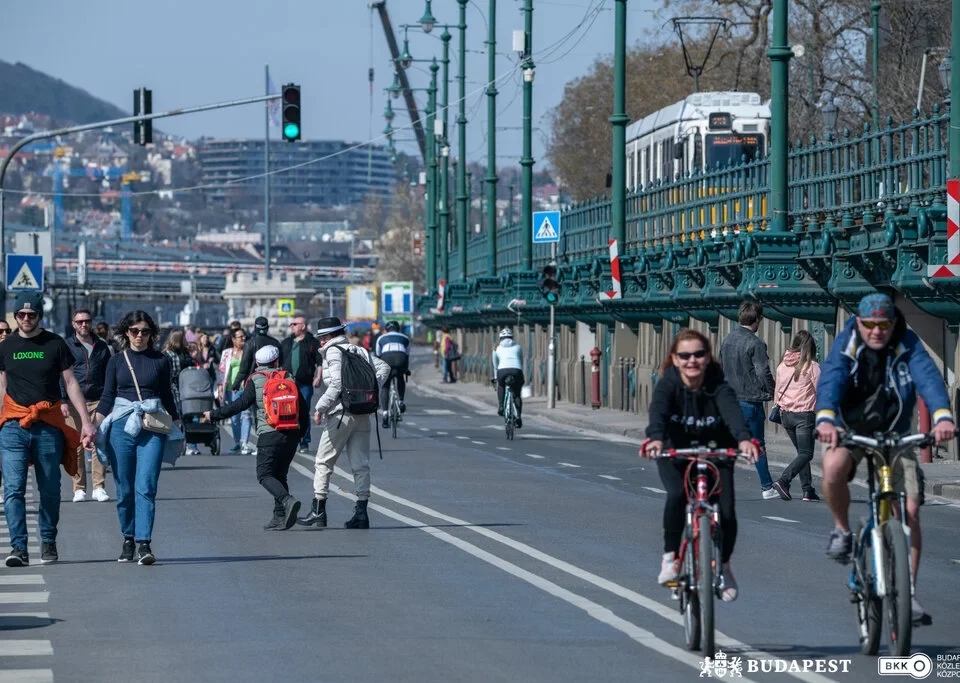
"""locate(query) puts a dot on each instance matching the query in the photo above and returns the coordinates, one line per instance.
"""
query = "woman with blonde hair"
(796, 396)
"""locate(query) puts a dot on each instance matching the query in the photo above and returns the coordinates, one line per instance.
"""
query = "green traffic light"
(291, 131)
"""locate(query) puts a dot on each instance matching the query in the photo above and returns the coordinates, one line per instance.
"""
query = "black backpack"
(359, 389)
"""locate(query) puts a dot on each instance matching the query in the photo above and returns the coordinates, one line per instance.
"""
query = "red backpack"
(281, 400)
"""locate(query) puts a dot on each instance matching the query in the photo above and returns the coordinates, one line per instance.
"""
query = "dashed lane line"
(412, 424)
(653, 489)
(479, 443)
(781, 519)
(535, 456)
(442, 433)
(424, 429)
(611, 478)
(503, 448)
(438, 411)
(568, 464)
(464, 438)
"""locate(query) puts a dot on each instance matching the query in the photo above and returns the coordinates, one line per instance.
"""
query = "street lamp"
(427, 21)
(830, 112)
(945, 72)
(388, 114)
(405, 59)
(395, 88)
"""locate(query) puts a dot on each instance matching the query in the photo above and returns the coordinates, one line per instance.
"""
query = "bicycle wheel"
(393, 424)
(869, 619)
(508, 417)
(689, 600)
(896, 603)
(706, 586)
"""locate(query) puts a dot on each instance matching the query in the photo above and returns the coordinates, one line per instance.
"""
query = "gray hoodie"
(746, 366)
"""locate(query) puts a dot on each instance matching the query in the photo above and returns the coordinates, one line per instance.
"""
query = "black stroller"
(196, 398)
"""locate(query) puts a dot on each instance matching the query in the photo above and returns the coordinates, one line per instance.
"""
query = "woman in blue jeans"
(137, 383)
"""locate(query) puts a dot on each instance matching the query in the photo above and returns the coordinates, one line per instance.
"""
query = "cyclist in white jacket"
(508, 362)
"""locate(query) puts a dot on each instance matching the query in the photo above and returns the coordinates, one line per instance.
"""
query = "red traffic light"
(291, 94)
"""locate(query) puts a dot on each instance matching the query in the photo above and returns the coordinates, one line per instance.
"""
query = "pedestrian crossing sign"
(24, 272)
(546, 227)
(285, 307)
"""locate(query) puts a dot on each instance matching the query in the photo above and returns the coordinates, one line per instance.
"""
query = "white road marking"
(463, 438)
(502, 448)
(439, 411)
(653, 489)
(412, 424)
(607, 476)
(568, 464)
(595, 610)
(24, 598)
(534, 455)
(479, 443)
(25, 648)
(442, 433)
(22, 580)
(781, 519)
(26, 676)
(955, 561)
(424, 429)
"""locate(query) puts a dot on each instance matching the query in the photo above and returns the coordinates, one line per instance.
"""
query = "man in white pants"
(341, 429)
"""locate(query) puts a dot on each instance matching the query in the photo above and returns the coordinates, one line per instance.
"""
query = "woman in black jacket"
(692, 404)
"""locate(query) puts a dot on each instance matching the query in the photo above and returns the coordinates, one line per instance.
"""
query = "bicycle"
(394, 412)
(509, 408)
(700, 578)
(881, 579)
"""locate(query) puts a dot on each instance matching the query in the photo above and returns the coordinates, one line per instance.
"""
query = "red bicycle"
(700, 577)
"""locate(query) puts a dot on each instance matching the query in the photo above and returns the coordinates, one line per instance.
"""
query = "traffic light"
(291, 112)
(549, 287)
(142, 105)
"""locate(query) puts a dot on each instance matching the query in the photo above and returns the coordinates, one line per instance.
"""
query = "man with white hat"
(343, 428)
(276, 446)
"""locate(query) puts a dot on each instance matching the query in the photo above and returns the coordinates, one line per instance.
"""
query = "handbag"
(158, 423)
(775, 416)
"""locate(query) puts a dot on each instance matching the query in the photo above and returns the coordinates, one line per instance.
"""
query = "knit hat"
(29, 301)
(876, 306)
(267, 354)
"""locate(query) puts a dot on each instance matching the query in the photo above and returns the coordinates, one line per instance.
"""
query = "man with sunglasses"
(32, 428)
(91, 355)
(869, 383)
(301, 358)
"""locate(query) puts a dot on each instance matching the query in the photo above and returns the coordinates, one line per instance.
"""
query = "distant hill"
(23, 89)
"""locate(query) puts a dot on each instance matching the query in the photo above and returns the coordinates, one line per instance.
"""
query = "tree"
(395, 248)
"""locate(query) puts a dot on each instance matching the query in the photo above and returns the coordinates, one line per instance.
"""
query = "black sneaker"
(144, 554)
(782, 490)
(840, 546)
(386, 422)
(18, 557)
(519, 423)
(403, 407)
(48, 552)
(810, 496)
(126, 553)
(500, 412)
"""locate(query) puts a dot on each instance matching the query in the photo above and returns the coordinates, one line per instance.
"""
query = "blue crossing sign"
(24, 272)
(546, 227)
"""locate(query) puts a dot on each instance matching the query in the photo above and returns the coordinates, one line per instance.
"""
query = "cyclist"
(693, 404)
(868, 384)
(393, 348)
(508, 362)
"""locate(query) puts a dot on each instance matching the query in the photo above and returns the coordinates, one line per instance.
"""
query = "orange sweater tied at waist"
(50, 414)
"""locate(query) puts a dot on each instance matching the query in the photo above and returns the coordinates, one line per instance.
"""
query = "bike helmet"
(392, 326)
(506, 333)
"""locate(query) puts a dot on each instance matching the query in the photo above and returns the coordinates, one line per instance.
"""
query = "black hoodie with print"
(679, 416)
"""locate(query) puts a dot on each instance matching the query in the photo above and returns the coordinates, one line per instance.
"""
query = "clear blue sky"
(205, 51)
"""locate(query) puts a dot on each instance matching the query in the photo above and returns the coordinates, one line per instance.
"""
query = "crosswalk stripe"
(24, 598)
(25, 648)
(21, 580)
(26, 676)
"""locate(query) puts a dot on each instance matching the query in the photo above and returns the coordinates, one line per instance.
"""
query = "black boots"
(276, 522)
(291, 506)
(359, 519)
(317, 514)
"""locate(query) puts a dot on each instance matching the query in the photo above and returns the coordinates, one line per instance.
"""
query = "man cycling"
(868, 384)
(508, 362)
(393, 348)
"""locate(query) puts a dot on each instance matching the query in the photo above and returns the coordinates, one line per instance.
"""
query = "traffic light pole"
(266, 174)
(552, 348)
(93, 126)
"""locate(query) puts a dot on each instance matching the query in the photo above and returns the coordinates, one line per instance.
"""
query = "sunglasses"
(685, 355)
(882, 324)
(85, 321)
(5, 332)
(139, 331)
(27, 315)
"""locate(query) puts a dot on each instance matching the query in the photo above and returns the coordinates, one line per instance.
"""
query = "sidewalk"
(942, 476)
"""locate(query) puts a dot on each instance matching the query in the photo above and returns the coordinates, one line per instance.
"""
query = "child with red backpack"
(281, 421)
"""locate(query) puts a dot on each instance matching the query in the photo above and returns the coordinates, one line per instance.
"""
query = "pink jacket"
(801, 395)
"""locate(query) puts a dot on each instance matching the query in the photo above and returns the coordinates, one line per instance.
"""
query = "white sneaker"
(668, 569)
(248, 449)
(100, 495)
(769, 493)
(729, 590)
(79, 496)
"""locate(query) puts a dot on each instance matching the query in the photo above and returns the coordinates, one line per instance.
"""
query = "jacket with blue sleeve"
(909, 370)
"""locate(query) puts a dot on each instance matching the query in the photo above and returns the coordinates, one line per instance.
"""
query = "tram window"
(722, 149)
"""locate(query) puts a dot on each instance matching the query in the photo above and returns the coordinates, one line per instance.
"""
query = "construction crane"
(381, 7)
(60, 169)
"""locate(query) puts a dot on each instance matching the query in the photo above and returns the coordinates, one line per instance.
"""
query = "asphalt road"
(488, 560)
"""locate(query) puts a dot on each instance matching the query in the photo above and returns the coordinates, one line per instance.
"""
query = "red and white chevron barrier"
(441, 288)
(952, 268)
(617, 291)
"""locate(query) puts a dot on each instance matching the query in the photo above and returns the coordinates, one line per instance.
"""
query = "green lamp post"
(491, 178)
(779, 54)
(526, 161)
(619, 120)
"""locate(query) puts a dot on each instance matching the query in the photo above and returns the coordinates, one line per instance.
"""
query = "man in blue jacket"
(869, 383)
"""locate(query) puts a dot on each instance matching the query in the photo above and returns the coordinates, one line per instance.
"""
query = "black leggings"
(275, 452)
(514, 389)
(675, 509)
(399, 364)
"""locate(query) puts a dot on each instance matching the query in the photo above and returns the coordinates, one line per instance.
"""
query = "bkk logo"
(720, 666)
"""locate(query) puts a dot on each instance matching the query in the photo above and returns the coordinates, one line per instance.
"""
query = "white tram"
(699, 132)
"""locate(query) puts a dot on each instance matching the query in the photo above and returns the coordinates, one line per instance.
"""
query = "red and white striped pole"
(441, 287)
(617, 291)
(952, 267)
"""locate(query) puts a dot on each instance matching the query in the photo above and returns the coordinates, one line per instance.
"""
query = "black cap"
(261, 324)
(30, 301)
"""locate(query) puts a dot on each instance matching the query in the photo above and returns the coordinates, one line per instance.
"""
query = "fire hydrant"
(595, 354)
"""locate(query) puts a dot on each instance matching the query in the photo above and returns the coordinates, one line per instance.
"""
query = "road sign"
(285, 307)
(24, 272)
(396, 298)
(546, 227)
(417, 245)
(361, 302)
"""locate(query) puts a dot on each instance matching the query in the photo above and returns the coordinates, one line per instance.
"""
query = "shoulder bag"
(775, 416)
(158, 423)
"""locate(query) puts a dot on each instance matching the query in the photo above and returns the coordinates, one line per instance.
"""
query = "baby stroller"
(196, 398)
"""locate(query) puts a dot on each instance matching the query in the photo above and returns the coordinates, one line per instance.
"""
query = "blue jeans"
(240, 422)
(306, 390)
(756, 420)
(42, 445)
(135, 462)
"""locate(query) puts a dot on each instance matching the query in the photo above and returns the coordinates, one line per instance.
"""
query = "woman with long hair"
(207, 355)
(692, 403)
(175, 348)
(796, 394)
(137, 386)
(229, 369)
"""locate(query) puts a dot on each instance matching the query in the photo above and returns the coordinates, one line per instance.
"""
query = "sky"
(206, 51)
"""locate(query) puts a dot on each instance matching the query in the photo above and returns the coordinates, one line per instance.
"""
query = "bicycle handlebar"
(701, 453)
(921, 440)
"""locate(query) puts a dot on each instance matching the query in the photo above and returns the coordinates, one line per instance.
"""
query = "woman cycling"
(693, 405)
